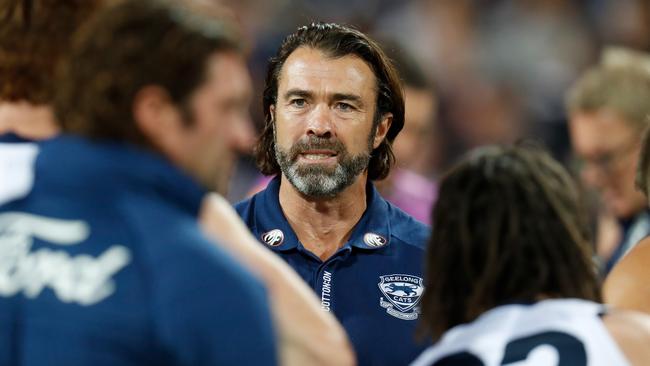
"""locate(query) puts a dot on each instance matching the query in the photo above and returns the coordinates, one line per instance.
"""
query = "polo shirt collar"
(372, 232)
(106, 165)
(11, 138)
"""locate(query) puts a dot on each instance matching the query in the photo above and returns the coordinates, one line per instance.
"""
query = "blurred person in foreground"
(627, 284)
(103, 261)
(608, 109)
(38, 34)
(510, 277)
(333, 106)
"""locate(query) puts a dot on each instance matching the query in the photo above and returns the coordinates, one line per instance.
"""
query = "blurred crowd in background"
(498, 69)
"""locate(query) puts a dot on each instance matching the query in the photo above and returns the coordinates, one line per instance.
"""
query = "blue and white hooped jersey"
(551, 332)
(373, 284)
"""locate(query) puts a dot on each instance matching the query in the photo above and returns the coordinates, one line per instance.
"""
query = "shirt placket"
(324, 281)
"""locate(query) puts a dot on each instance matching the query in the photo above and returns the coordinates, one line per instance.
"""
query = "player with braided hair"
(510, 275)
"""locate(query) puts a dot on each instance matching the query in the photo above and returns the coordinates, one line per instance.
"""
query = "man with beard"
(333, 105)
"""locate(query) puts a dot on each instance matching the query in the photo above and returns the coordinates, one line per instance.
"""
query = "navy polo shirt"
(373, 284)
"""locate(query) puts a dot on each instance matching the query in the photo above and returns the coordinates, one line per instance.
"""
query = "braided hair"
(507, 228)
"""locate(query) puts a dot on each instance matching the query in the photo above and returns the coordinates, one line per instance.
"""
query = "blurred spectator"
(626, 285)
(410, 186)
(624, 22)
(608, 109)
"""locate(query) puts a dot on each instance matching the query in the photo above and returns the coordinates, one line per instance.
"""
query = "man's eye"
(298, 102)
(344, 106)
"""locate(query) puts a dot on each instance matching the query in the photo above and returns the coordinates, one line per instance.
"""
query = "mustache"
(316, 143)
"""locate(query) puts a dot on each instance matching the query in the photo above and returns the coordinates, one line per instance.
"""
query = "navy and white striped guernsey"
(550, 332)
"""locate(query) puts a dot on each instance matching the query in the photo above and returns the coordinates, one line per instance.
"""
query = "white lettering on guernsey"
(82, 279)
(326, 291)
(17, 170)
(411, 279)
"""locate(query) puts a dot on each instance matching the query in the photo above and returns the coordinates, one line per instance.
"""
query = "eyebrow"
(297, 93)
(350, 97)
(336, 96)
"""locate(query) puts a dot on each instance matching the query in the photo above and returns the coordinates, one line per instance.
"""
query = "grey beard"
(319, 182)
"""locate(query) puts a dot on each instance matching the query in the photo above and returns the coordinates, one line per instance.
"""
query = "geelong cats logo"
(403, 293)
(273, 238)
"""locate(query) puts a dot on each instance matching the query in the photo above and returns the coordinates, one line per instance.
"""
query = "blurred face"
(323, 121)
(608, 147)
(220, 124)
(419, 116)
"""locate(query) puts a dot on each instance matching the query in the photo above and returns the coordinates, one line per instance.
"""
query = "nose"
(320, 122)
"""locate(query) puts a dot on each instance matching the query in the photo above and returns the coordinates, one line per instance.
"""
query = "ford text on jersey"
(102, 262)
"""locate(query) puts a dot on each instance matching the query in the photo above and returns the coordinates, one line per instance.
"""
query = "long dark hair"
(508, 227)
(337, 41)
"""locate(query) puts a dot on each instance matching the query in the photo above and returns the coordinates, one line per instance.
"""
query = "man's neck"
(29, 121)
(323, 225)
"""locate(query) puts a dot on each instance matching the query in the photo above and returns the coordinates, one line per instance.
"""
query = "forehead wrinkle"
(308, 69)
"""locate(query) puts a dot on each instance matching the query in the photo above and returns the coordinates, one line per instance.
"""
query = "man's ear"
(156, 116)
(272, 114)
(382, 129)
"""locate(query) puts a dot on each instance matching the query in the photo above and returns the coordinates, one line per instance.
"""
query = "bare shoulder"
(626, 286)
(631, 331)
